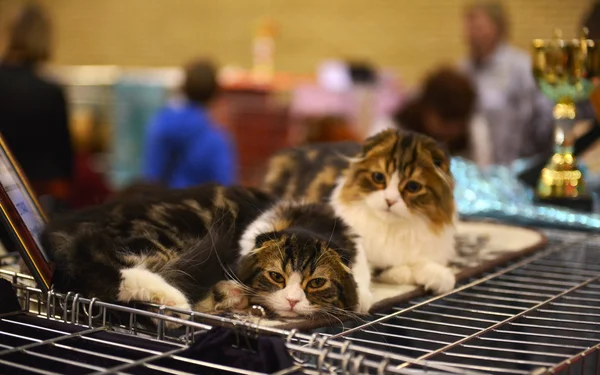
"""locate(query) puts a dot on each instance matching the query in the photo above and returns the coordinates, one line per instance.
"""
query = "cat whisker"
(228, 272)
(344, 312)
(168, 273)
(355, 317)
(231, 275)
(325, 312)
(251, 294)
(328, 242)
(247, 289)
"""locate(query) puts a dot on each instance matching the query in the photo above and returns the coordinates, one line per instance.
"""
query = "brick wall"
(410, 36)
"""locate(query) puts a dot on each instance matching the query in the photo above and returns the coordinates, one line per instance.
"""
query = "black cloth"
(8, 299)
(34, 123)
(267, 354)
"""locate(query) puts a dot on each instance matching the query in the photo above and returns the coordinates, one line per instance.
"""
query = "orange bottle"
(263, 52)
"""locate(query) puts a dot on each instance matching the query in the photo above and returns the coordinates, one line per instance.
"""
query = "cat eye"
(378, 177)
(316, 283)
(413, 186)
(437, 162)
(276, 277)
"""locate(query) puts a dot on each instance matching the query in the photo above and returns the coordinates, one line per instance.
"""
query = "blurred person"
(445, 111)
(33, 110)
(519, 116)
(591, 21)
(184, 147)
(350, 100)
(89, 183)
(327, 129)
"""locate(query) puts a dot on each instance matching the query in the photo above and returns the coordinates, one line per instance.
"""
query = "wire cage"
(536, 315)
(88, 333)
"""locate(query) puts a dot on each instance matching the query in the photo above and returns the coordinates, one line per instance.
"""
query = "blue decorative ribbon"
(497, 193)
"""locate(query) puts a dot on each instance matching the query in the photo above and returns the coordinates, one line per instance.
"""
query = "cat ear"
(262, 238)
(374, 140)
(440, 155)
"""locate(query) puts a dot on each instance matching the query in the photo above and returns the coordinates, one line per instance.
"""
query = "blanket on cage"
(481, 247)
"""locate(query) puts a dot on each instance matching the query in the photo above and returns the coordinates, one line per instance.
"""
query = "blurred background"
(138, 85)
(410, 37)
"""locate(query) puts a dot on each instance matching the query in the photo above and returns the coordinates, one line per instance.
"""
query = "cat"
(211, 248)
(395, 190)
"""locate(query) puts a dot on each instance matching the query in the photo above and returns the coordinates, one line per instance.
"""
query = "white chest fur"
(399, 242)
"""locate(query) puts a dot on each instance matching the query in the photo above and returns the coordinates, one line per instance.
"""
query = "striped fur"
(395, 190)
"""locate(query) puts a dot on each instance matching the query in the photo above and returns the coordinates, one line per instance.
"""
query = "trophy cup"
(565, 71)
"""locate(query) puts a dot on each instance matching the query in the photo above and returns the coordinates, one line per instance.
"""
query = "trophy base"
(561, 178)
(583, 203)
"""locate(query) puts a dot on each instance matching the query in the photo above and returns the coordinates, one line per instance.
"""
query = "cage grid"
(536, 315)
(31, 341)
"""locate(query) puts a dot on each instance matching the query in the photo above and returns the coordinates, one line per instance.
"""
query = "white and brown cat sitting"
(395, 190)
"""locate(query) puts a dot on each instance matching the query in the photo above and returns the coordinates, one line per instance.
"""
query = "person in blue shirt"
(183, 146)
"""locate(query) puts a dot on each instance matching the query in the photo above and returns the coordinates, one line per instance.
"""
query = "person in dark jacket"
(184, 147)
(33, 110)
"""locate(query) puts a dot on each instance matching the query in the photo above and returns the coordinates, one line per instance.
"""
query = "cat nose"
(390, 202)
(293, 302)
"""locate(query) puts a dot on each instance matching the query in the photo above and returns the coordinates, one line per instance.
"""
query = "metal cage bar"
(314, 353)
(533, 316)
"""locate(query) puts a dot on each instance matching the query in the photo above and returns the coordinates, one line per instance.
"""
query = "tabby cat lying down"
(395, 190)
(211, 248)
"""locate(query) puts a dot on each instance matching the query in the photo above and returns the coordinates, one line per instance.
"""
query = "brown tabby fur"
(312, 172)
(191, 239)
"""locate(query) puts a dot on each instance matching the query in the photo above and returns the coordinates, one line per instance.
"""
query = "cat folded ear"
(262, 238)
(440, 157)
(376, 140)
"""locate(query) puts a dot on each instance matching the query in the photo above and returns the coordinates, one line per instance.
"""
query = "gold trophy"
(565, 71)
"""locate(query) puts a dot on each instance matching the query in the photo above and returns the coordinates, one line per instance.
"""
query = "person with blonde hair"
(518, 115)
(33, 110)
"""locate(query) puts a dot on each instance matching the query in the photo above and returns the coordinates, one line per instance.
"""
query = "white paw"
(144, 286)
(233, 297)
(365, 301)
(170, 302)
(399, 275)
(435, 277)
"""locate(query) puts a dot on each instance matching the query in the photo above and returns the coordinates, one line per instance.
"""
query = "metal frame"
(536, 315)
(314, 353)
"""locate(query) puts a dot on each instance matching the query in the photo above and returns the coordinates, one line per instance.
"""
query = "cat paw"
(230, 296)
(172, 301)
(365, 301)
(435, 277)
(398, 275)
(144, 286)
